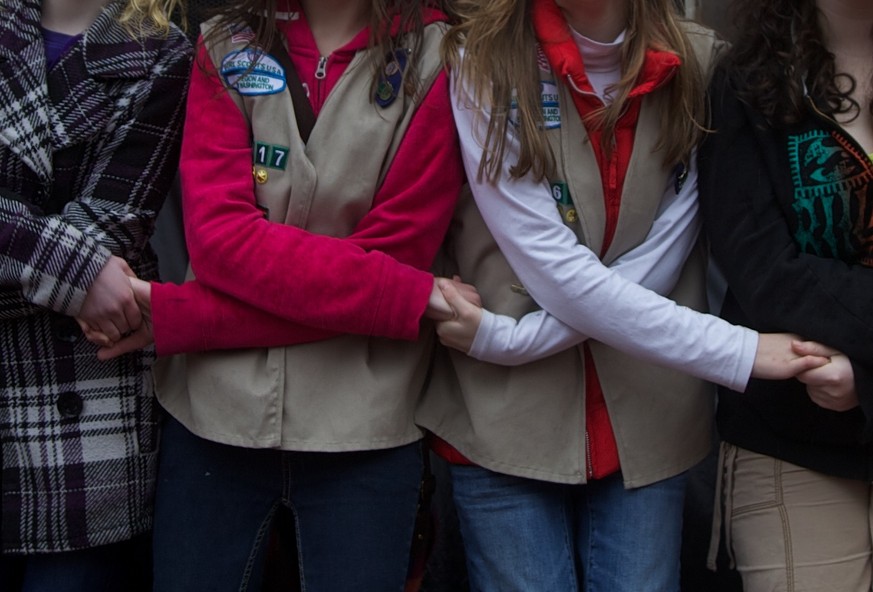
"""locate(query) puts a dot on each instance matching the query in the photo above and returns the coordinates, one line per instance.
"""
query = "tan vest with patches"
(529, 420)
(345, 393)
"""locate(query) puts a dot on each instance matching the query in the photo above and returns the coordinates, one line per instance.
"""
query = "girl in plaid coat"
(91, 107)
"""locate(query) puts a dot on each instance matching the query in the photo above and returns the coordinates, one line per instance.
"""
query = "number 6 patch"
(271, 156)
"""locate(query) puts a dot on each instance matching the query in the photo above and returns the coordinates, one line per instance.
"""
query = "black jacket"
(789, 215)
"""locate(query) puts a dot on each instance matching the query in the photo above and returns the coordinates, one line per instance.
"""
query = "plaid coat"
(88, 152)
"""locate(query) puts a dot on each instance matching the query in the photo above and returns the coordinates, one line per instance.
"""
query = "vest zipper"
(321, 69)
(589, 469)
(320, 75)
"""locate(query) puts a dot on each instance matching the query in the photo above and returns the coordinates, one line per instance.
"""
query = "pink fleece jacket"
(261, 284)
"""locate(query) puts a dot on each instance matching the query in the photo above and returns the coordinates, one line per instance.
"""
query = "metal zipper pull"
(321, 70)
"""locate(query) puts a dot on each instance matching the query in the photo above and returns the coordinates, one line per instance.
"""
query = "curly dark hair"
(779, 56)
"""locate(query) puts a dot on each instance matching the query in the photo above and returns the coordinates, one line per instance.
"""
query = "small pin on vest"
(261, 175)
(681, 173)
(391, 79)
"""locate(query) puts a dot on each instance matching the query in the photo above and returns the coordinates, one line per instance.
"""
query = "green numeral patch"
(271, 156)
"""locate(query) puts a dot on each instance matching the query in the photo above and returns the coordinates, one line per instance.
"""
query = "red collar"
(556, 40)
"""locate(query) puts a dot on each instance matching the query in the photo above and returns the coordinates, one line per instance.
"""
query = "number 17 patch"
(271, 156)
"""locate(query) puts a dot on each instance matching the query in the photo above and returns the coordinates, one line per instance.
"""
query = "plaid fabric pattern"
(88, 152)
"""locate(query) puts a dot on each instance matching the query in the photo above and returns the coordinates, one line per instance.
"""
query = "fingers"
(94, 336)
(109, 328)
(136, 340)
(125, 268)
(437, 307)
(468, 291)
(459, 304)
(132, 313)
(459, 332)
(142, 294)
(812, 348)
(804, 364)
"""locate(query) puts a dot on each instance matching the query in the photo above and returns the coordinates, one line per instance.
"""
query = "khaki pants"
(790, 529)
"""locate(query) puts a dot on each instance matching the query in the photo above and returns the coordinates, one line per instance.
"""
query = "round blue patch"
(252, 72)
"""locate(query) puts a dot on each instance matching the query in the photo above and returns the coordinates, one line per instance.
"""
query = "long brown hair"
(779, 56)
(499, 66)
(260, 14)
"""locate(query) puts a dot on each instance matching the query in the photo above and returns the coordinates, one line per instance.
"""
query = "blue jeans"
(108, 568)
(522, 535)
(354, 514)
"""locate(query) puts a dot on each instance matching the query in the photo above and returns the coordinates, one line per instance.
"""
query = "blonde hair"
(500, 68)
(143, 18)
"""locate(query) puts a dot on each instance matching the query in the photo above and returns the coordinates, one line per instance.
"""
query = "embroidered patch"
(241, 34)
(542, 60)
(391, 80)
(252, 72)
(561, 193)
(551, 106)
(271, 155)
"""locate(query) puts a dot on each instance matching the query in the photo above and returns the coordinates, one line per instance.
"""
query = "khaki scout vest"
(345, 393)
(529, 420)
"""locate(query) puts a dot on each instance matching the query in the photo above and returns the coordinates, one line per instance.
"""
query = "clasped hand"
(116, 314)
(831, 385)
(457, 309)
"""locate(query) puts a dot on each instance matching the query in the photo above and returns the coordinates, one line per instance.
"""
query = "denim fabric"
(522, 535)
(108, 568)
(354, 514)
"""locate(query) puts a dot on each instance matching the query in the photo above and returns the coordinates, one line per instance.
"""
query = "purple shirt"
(56, 45)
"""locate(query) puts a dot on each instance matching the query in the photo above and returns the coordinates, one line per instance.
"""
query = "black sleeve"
(778, 287)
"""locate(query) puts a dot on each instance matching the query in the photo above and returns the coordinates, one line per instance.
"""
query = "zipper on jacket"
(320, 75)
(589, 469)
(321, 69)
(613, 171)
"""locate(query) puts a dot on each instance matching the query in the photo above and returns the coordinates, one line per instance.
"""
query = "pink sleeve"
(372, 282)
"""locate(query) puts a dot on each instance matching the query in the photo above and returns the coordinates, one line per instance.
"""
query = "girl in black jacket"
(787, 194)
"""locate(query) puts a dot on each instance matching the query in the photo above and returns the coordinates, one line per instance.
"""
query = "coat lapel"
(42, 114)
(83, 86)
(25, 114)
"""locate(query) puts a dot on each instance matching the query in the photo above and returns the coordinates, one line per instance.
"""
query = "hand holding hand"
(777, 360)
(143, 335)
(831, 386)
(110, 307)
(467, 291)
(460, 330)
(437, 307)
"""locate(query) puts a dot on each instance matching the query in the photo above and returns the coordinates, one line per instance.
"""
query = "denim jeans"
(354, 514)
(522, 535)
(108, 568)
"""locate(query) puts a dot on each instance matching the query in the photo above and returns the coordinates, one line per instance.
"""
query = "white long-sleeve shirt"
(618, 305)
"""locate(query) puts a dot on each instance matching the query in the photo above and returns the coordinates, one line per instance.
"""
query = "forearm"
(372, 282)
(572, 284)
(50, 263)
(655, 264)
(193, 318)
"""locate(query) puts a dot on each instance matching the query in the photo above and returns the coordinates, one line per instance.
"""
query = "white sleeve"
(656, 264)
(573, 285)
